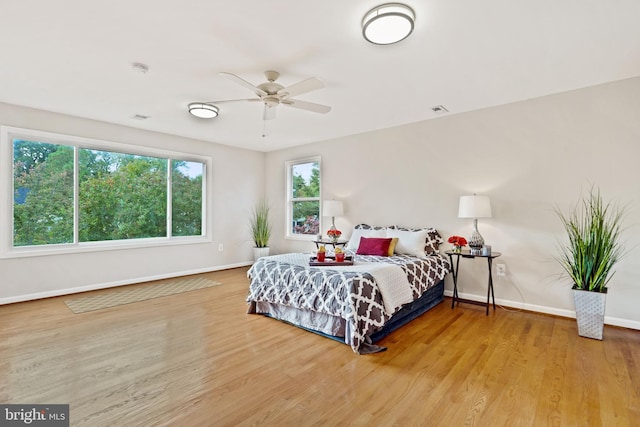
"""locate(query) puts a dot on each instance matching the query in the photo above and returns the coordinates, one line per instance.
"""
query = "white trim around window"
(7, 249)
(290, 200)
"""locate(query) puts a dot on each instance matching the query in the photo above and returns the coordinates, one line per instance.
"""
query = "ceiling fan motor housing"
(270, 87)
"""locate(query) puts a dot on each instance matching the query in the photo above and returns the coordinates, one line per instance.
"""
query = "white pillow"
(409, 242)
(354, 240)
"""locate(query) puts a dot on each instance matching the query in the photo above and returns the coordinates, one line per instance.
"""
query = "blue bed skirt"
(428, 300)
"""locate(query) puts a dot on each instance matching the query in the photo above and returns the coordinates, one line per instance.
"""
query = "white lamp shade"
(474, 207)
(332, 208)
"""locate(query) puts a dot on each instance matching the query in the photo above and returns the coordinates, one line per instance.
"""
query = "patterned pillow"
(368, 227)
(432, 241)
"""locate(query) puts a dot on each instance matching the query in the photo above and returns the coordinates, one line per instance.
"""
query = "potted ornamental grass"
(593, 248)
(260, 229)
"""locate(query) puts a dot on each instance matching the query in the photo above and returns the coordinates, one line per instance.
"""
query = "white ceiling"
(75, 57)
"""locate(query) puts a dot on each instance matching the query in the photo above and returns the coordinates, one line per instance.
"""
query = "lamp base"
(476, 242)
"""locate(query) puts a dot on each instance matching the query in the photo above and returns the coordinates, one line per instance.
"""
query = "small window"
(186, 198)
(303, 204)
(43, 201)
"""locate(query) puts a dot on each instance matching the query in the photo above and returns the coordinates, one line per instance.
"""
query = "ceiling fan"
(272, 94)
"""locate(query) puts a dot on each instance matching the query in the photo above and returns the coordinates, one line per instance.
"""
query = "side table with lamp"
(489, 255)
(474, 207)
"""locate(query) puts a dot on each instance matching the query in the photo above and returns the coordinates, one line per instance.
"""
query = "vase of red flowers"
(458, 243)
(334, 234)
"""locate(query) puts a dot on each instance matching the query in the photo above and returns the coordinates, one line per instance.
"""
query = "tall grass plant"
(594, 247)
(260, 227)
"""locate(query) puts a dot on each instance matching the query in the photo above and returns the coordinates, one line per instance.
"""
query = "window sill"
(23, 252)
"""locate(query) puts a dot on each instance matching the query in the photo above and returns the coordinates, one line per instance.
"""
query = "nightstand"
(454, 272)
(339, 243)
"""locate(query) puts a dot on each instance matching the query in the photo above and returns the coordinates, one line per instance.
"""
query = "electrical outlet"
(501, 269)
(220, 247)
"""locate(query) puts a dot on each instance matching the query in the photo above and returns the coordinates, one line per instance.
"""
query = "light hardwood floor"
(197, 359)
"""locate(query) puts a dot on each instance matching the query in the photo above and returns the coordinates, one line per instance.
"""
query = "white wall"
(528, 157)
(237, 184)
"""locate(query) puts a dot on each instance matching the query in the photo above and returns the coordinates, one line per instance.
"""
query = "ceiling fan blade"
(269, 112)
(244, 83)
(309, 106)
(304, 86)
(233, 100)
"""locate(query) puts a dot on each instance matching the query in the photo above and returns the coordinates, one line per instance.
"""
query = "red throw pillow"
(374, 246)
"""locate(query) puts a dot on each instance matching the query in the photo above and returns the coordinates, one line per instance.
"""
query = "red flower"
(457, 241)
(336, 233)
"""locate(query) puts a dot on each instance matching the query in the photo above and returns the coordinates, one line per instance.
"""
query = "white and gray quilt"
(353, 293)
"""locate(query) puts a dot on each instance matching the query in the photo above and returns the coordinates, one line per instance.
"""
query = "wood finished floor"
(197, 359)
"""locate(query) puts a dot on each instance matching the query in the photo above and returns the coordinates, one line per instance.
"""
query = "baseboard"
(608, 320)
(94, 287)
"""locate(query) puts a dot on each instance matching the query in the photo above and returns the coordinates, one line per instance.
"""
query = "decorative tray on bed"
(330, 261)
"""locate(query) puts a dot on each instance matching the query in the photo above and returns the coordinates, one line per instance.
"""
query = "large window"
(66, 194)
(303, 212)
(121, 196)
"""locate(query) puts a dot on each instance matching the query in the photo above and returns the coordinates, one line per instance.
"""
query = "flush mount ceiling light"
(203, 110)
(388, 23)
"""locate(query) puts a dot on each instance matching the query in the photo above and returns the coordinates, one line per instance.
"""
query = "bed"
(356, 304)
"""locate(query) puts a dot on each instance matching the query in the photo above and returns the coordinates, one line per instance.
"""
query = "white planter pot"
(590, 312)
(260, 252)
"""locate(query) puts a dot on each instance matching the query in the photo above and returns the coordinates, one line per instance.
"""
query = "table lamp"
(474, 207)
(332, 208)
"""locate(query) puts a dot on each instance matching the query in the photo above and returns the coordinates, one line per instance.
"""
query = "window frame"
(7, 250)
(290, 200)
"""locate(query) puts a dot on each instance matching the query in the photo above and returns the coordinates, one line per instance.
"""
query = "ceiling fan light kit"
(203, 110)
(388, 23)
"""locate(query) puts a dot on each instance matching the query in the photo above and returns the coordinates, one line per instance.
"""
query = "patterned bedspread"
(351, 295)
